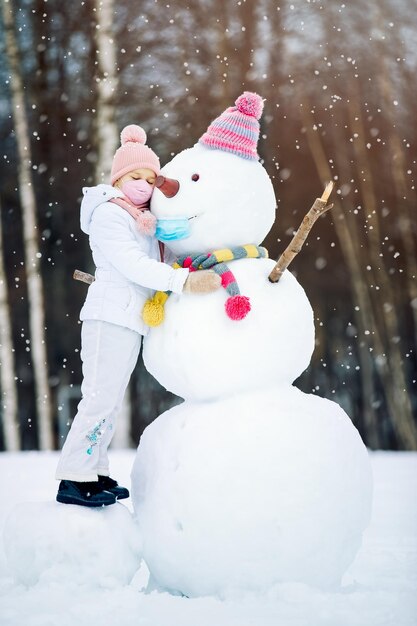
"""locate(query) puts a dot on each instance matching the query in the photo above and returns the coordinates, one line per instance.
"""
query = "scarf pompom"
(237, 307)
(146, 223)
(153, 311)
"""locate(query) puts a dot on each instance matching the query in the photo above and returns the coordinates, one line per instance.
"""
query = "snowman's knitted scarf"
(237, 306)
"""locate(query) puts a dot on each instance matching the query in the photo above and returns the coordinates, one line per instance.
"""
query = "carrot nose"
(168, 186)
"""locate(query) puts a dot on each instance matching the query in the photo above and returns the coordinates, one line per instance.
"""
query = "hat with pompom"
(133, 154)
(236, 130)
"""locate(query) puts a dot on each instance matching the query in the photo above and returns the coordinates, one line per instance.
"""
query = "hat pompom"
(132, 133)
(237, 307)
(251, 104)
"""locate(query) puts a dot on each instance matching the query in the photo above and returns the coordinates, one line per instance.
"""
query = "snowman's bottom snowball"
(249, 491)
(51, 542)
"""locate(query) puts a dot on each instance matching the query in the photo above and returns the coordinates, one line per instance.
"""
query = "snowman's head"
(217, 194)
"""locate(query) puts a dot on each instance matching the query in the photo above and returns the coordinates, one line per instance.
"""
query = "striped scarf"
(237, 306)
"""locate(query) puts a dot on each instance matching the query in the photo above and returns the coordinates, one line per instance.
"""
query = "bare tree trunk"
(32, 255)
(246, 12)
(398, 169)
(402, 416)
(393, 382)
(225, 53)
(363, 313)
(7, 364)
(107, 85)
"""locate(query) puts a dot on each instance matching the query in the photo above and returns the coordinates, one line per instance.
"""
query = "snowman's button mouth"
(194, 216)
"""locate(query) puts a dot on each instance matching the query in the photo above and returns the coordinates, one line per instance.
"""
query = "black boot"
(84, 494)
(111, 485)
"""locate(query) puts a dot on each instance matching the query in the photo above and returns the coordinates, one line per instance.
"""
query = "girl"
(120, 228)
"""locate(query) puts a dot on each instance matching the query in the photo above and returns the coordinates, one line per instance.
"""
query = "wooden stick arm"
(327, 191)
(319, 207)
(83, 277)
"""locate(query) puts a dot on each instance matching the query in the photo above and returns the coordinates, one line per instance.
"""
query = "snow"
(202, 362)
(379, 588)
(85, 549)
(250, 490)
(246, 450)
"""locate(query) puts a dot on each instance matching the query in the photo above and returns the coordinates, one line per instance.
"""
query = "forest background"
(340, 91)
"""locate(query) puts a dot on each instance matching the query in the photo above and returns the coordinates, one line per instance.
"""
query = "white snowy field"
(379, 589)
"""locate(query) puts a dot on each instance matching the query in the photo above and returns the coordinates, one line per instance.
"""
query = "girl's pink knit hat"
(133, 154)
(236, 130)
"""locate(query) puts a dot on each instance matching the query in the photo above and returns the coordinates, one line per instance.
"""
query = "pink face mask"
(137, 191)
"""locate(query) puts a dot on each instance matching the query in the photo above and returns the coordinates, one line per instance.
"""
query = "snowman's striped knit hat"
(236, 130)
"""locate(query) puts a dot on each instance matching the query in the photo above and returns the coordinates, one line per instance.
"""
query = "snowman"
(249, 482)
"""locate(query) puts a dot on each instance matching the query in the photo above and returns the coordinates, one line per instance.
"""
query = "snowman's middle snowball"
(199, 353)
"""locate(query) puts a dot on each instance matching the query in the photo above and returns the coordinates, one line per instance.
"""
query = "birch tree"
(107, 141)
(30, 237)
(107, 136)
(9, 409)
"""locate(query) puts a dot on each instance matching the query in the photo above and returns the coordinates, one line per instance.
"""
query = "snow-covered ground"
(379, 589)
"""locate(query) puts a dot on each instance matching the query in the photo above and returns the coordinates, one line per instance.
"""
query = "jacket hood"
(93, 197)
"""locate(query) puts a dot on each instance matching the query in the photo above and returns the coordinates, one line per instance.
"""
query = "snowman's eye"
(195, 177)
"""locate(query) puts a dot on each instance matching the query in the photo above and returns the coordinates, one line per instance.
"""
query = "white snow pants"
(108, 353)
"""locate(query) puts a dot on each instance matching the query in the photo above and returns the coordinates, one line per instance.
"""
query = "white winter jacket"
(127, 263)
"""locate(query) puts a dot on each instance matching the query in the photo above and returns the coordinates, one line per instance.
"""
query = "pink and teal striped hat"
(236, 130)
